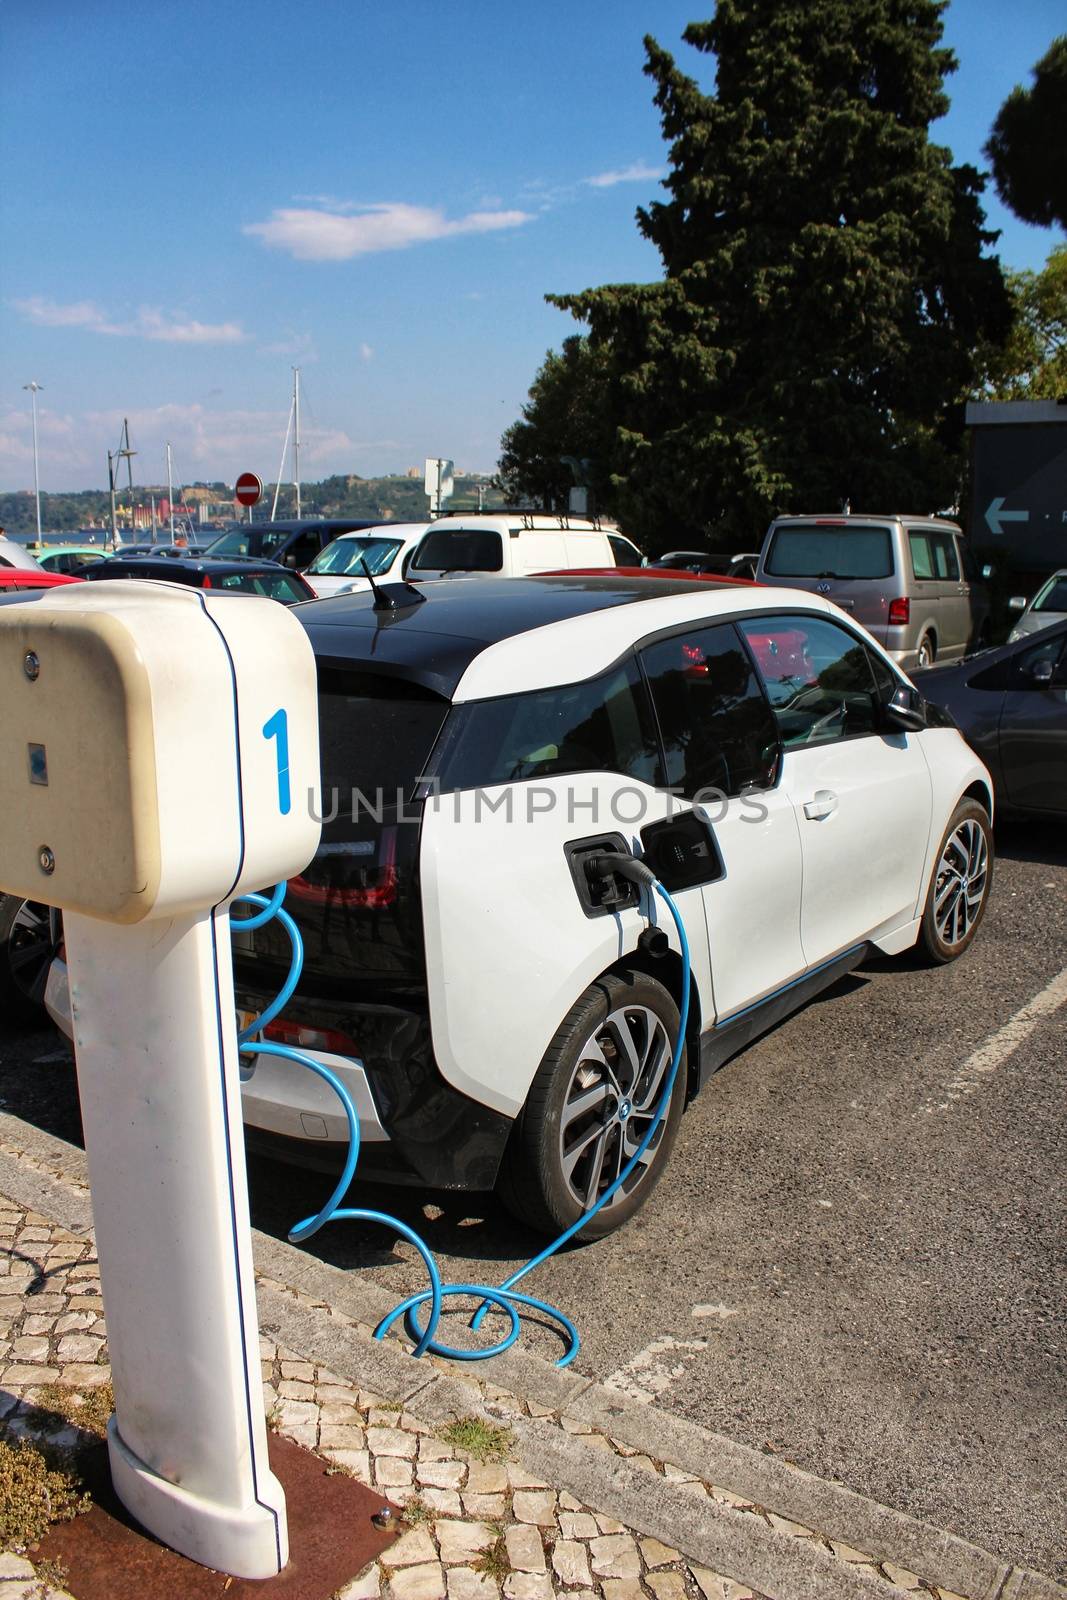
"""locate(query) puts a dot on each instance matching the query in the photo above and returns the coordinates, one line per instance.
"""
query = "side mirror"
(987, 572)
(904, 711)
(1017, 603)
(1042, 672)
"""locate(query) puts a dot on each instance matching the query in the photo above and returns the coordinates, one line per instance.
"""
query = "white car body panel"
(509, 948)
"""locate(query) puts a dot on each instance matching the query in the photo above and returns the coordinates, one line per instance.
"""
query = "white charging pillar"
(158, 757)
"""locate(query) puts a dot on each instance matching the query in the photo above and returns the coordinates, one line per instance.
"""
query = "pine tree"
(825, 286)
(1028, 146)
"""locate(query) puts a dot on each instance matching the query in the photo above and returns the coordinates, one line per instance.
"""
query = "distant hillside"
(394, 498)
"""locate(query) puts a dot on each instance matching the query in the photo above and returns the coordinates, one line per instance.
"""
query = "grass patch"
(482, 1440)
(90, 1410)
(417, 1511)
(33, 1495)
(493, 1562)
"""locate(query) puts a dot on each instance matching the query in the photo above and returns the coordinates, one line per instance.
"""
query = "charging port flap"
(602, 895)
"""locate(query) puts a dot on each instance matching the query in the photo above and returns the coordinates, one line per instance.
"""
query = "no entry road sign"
(247, 489)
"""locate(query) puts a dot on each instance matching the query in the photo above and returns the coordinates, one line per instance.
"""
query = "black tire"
(533, 1183)
(958, 908)
(927, 647)
(27, 946)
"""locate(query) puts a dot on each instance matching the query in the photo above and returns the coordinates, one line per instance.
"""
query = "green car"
(69, 558)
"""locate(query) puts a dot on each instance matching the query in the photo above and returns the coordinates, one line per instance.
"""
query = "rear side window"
(922, 557)
(275, 585)
(818, 677)
(1053, 597)
(375, 734)
(601, 725)
(459, 550)
(933, 555)
(815, 550)
(717, 728)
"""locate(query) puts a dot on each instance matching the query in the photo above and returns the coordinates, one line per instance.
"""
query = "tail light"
(207, 581)
(298, 1037)
(377, 892)
(899, 612)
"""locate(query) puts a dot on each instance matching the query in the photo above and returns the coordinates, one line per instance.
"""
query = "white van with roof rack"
(509, 544)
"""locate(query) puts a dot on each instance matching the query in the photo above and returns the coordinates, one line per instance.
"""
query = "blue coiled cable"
(506, 1297)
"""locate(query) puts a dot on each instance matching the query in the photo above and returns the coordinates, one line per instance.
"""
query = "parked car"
(14, 555)
(69, 558)
(510, 544)
(204, 572)
(1049, 605)
(1010, 704)
(500, 1016)
(385, 551)
(742, 565)
(911, 581)
(295, 543)
(25, 578)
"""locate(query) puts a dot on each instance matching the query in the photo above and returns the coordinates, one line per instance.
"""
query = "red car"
(23, 578)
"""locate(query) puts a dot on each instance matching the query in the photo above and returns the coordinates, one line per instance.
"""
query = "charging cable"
(505, 1299)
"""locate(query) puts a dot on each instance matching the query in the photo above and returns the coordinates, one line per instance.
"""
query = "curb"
(754, 1517)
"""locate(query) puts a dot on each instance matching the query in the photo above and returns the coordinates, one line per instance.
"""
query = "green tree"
(1028, 146)
(564, 416)
(825, 284)
(1033, 363)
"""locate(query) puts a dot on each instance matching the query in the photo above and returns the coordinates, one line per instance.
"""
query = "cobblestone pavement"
(474, 1528)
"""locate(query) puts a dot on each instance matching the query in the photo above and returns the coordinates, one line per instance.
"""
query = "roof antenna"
(390, 596)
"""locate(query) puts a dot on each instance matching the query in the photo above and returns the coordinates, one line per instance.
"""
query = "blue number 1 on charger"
(278, 728)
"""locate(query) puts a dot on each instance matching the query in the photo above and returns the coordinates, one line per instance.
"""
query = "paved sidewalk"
(566, 1488)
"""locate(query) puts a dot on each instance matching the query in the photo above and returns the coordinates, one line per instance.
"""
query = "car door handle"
(822, 805)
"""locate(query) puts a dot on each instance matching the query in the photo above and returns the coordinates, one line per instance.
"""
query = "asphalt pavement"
(856, 1259)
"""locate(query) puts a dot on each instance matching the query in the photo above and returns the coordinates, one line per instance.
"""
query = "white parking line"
(648, 1375)
(1000, 1045)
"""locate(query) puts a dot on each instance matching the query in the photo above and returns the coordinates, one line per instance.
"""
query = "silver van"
(911, 581)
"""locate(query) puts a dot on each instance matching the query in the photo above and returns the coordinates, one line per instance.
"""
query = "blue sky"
(197, 196)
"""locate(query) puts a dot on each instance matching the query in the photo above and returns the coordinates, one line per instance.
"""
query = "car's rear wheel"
(959, 888)
(28, 936)
(927, 652)
(594, 1097)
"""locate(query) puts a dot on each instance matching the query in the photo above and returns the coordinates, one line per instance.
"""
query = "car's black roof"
(301, 524)
(175, 566)
(434, 642)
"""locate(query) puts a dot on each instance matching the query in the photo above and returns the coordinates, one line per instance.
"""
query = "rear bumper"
(414, 1127)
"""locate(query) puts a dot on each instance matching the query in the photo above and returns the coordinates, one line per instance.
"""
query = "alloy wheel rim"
(31, 944)
(961, 882)
(610, 1101)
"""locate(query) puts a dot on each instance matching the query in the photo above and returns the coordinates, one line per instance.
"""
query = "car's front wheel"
(960, 885)
(28, 936)
(594, 1097)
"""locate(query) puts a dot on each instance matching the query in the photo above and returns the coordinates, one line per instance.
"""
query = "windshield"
(248, 542)
(459, 550)
(808, 550)
(1053, 596)
(349, 555)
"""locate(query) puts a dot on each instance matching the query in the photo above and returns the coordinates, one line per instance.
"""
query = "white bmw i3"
(490, 1001)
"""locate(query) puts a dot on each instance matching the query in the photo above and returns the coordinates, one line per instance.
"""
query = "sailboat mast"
(296, 435)
(170, 491)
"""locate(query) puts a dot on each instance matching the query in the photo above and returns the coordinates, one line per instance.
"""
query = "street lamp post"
(34, 388)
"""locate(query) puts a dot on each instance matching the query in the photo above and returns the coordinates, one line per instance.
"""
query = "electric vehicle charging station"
(126, 712)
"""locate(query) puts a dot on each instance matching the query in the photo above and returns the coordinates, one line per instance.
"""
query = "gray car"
(1049, 605)
(911, 581)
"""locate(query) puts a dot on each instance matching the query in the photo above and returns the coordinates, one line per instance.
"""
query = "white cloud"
(148, 323)
(339, 234)
(366, 352)
(636, 172)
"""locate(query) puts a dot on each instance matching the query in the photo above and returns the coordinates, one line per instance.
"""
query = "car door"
(722, 754)
(861, 794)
(1033, 728)
(953, 596)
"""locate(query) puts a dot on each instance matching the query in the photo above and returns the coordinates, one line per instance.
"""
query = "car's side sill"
(724, 1040)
